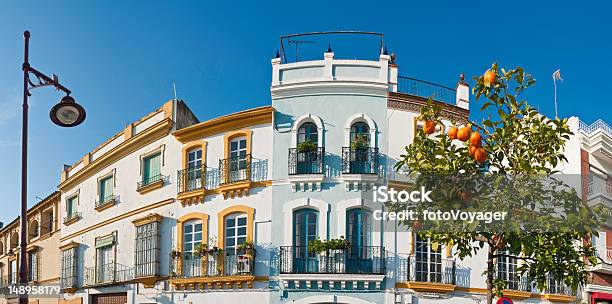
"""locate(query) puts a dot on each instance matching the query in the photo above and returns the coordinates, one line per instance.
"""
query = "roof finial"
(277, 54)
(461, 78)
(385, 52)
(329, 50)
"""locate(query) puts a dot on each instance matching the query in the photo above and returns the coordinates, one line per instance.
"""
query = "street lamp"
(67, 113)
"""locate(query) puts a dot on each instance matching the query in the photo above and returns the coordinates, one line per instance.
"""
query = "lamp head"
(67, 113)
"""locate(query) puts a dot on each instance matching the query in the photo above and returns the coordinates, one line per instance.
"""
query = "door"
(304, 230)
(115, 298)
(358, 233)
(194, 169)
(106, 265)
(428, 262)
(238, 159)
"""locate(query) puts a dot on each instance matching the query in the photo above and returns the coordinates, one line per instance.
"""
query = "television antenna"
(297, 44)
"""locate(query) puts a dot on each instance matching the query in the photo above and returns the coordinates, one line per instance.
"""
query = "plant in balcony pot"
(360, 142)
(307, 146)
(247, 249)
(175, 253)
(201, 249)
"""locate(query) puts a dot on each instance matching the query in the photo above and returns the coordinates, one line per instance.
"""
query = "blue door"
(304, 230)
(358, 233)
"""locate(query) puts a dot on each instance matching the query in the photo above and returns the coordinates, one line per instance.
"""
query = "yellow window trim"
(247, 133)
(190, 146)
(153, 217)
(187, 217)
(250, 212)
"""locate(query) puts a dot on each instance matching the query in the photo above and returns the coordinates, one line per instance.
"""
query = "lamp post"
(67, 113)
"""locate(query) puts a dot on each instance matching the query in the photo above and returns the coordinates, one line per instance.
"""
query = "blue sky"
(121, 57)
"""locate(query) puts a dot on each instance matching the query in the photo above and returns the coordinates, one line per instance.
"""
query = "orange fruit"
(472, 150)
(476, 139)
(464, 134)
(430, 127)
(489, 78)
(452, 132)
(480, 155)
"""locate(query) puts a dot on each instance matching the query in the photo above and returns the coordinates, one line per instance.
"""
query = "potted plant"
(201, 249)
(307, 146)
(360, 142)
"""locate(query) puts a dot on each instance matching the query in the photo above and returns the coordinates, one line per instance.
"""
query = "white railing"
(594, 127)
(600, 185)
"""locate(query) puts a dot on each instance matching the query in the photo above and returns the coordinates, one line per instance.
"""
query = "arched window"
(1, 248)
(360, 135)
(33, 230)
(308, 132)
(14, 240)
(235, 231)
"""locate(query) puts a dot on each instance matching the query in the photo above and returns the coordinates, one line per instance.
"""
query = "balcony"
(425, 89)
(71, 218)
(105, 203)
(518, 287)
(306, 169)
(151, 183)
(359, 167)
(107, 274)
(212, 270)
(235, 176)
(362, 267)
(604, 255)
(68, 284)
(191, 185)
(597, 140)
(425, 275)
(599, 191)
(557, 291)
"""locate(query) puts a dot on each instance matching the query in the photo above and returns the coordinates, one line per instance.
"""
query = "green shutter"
(106, 188)
(152, 167)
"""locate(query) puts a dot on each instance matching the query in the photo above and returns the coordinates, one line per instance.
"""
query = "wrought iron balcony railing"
(306, 162)
(359, 161)
(108, 274)
(235, 169)
(425, 89)
(103, 201)
(354, 260)
(191, 179)
(150, 180)
(68, 282)
(516, 282)
(72, 216)
(218, 264)
(554, 286)
(434, 270)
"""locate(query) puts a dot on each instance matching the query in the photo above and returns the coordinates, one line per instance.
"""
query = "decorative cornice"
(153, 217)
(235, 121)
(136, 142)
(410, 103)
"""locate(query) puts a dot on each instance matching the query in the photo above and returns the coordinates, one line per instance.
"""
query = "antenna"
(297, 44)
(174, 88)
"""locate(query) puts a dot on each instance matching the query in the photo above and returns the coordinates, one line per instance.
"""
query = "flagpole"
(555, 83)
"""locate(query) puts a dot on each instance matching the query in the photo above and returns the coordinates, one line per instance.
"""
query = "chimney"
(462, 99)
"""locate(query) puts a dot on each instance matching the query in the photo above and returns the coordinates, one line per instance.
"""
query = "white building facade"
(173, 210)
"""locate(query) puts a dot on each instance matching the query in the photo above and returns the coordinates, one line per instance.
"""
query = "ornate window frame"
(303, 119)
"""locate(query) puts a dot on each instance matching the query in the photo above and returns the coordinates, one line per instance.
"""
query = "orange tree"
(516, 141)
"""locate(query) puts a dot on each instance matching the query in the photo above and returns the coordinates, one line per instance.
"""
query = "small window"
(238, 147)
(308, 132)
(47, 222)
(13, 272)
(71, 206)
(33, 231)
(506, 269)
(235, 232)
(106, 189)
(32, 266)
(1, 251)
(151, 168)
(69, 268)
(147, 250)
(194, 158)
